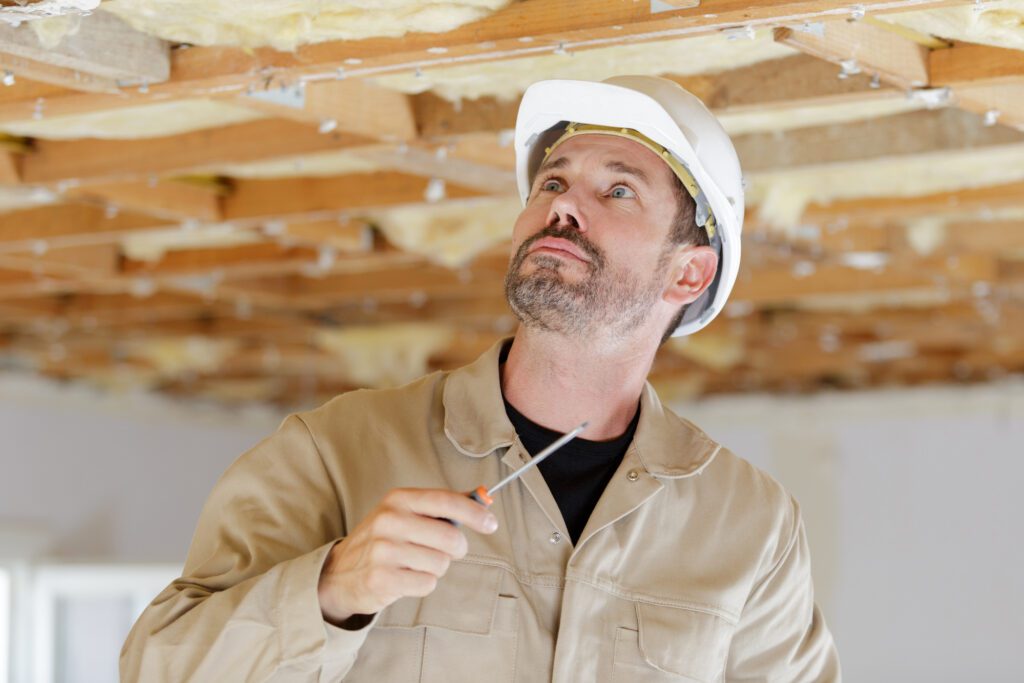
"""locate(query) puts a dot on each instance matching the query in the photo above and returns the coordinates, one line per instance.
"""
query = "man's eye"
(622, 192)
(551, 185)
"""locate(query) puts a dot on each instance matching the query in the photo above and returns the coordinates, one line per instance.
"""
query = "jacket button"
(633, 475)
(555, 537)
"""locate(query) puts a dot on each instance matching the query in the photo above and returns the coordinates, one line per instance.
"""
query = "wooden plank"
(788, 83)
(273, 198)
(423, 160)
(350, 105)
(170, 199)
(779, 286)
(864, 47)
(996, 236)
(522, 29)
(10, 167)
(66, 224)
(53, 161)
(90, 261)
(1002, 104)
(262, 259)
(975, 65)
(918, 132)
(103, 54)
(343, 234)
(869, 209)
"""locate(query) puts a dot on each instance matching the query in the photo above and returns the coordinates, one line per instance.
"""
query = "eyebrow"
(560, 162)
(617, 166)
(620, 167)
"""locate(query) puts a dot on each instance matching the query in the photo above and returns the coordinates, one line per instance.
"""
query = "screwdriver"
(484, 495)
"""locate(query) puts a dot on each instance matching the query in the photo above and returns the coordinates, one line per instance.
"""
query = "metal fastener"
(555, 537)
(633, 475)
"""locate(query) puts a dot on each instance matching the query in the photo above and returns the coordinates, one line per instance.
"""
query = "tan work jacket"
(693, 566)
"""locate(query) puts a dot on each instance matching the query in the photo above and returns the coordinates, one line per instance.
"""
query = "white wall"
(910, 498)
(87, 477)
(915, 518)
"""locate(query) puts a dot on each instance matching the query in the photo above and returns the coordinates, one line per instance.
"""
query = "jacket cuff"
(310, 636)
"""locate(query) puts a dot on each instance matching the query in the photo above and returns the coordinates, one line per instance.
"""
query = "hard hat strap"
(704, 216)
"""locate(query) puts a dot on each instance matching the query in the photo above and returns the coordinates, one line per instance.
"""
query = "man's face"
(591, 248)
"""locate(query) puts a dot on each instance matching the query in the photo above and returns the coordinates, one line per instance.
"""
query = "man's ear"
(693, 271)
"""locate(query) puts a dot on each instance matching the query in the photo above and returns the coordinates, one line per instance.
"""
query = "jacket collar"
(476, 424)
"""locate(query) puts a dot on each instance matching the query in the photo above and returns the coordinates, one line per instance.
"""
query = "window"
(5, 625)
(81, 615)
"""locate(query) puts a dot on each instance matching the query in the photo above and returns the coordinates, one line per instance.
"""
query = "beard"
(607, 300)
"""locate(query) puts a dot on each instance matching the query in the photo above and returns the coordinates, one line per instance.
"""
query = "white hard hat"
(663, 116)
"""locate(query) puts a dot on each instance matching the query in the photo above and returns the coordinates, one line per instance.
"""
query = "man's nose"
(566, 209)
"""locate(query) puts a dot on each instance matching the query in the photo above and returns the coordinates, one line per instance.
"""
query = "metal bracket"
(672, 5)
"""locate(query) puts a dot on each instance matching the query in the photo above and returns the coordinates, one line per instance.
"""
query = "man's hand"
(401, 549)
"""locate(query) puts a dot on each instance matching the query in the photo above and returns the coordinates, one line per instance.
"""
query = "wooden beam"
(69, 224)
(10, 167)
(917, 132)
(261, 259)
(103, 54)
(779, 84)
(888, 209)
(422, 160)
(342, 234)
(778, 286)
(83, 161)
(93, 311)
(999, 104)
(169, 199)
(275, 198)
(523, 29)
(350, 105)
(864, 47)
(975, 65)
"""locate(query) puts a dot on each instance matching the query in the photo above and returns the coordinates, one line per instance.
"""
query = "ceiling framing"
(265, 257)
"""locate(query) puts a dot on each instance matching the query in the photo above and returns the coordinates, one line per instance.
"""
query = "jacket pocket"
(462, 631)
(672, 644)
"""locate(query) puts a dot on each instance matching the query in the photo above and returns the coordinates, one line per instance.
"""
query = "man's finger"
(457, 507)
(409, 527)
(422, 559)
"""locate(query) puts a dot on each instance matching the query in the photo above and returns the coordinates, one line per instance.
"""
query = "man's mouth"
(559, 246)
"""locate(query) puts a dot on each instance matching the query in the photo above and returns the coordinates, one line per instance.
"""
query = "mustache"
(569, 234)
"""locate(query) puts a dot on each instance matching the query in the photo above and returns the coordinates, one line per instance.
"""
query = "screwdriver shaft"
(536, 460)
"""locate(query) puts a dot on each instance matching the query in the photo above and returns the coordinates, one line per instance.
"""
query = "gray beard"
(605, 302)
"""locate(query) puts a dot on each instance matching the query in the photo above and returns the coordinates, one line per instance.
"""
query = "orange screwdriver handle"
(479, 494)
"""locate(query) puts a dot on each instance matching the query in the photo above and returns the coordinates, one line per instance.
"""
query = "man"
(641, 552)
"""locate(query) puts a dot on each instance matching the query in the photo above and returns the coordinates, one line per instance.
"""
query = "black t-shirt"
(578, 472)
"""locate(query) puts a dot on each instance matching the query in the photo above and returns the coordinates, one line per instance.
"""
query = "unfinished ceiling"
(310, 196)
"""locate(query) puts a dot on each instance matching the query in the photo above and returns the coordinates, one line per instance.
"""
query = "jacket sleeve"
(782, 635)
(246, 607)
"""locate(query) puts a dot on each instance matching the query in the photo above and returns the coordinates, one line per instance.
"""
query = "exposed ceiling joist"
(102, 55)
(968, 64)
(350, 105)
(265, 199)
(523, 29)
(83, 161)
(859, 47)
(885, 209)
(30, 229)
(170, 199)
